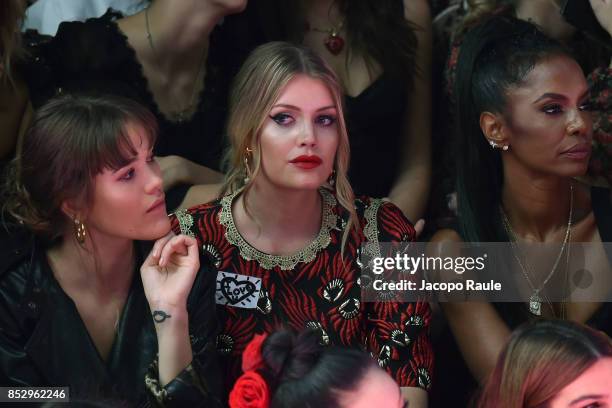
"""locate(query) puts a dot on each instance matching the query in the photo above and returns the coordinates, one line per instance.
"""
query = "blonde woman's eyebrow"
(293, 107)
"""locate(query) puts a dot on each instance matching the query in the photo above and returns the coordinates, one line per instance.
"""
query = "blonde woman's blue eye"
(282, 118)
(326, 120)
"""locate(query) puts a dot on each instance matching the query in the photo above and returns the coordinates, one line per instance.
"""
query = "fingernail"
(161, 261)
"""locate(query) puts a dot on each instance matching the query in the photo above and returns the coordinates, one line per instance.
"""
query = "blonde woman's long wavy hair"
(256, 88)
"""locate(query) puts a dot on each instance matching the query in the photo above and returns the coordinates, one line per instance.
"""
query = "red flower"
(250, 391)
(251, 356)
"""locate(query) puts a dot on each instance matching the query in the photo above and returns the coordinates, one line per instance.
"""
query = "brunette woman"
(74, 311)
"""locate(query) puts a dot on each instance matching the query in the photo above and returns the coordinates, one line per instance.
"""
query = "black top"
(455, 385)
(95, 57)
(44, 342)
(375, 122)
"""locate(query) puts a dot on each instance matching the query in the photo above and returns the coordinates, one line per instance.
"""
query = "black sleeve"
(199, 384)
(16, 324)
(82, 57)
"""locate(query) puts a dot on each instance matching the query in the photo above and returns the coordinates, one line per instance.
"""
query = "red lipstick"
(306, 161)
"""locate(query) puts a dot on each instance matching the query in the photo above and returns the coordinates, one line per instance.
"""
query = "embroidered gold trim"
(185, 222)
(267, 261)
(152, 384)
(371, 246)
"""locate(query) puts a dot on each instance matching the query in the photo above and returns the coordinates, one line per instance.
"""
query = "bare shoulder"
(418, 12)
(201, 193)
(446, 235)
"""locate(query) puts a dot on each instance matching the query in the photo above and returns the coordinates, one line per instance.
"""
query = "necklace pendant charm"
(535, 305)
(334, 43)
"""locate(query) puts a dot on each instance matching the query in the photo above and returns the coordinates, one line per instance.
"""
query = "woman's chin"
(155, 230)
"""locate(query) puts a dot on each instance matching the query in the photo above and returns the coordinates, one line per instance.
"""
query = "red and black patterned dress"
(315, 288)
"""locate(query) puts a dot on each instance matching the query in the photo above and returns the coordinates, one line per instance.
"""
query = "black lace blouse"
(95, 56)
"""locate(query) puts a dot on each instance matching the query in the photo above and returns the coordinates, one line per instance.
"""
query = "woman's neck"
(324, 11)
(172, 35)
(179, 27)
(282, 212)
(537, 206)
(105, 269)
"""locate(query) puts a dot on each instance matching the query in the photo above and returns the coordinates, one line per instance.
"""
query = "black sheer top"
(94, 56)
(375, 126)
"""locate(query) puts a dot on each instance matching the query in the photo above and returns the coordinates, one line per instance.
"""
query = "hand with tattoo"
(167, 277)
(168, 274)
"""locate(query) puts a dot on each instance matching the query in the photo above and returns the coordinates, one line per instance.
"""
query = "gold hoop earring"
(80, 232)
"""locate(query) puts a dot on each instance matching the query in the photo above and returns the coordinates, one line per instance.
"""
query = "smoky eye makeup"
(282, 118)
(326, 120)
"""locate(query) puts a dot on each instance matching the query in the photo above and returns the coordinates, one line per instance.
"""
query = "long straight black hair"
(495, 56)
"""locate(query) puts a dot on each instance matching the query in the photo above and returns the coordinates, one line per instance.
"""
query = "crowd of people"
(188, 190)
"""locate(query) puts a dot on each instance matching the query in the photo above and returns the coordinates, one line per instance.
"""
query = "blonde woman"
(81, 303)
(285, 236)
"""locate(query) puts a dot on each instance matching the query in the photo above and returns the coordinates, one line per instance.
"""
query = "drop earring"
(331, 180)
(247, 170)
(80, 232)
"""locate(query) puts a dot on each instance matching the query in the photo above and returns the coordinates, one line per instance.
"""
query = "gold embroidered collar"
(284, 262)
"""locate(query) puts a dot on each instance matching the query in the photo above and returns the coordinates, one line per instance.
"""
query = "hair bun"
(288, 356)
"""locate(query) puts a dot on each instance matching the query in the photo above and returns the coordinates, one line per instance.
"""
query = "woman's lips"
(306, 162)
(578, 152)
(157, 204)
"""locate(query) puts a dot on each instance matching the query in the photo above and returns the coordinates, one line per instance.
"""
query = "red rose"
(250, 391)
(251, 356)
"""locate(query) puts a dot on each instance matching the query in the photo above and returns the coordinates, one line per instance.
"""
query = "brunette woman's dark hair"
(72, 139)
(495, 56)
(541, 359)
(302, 373)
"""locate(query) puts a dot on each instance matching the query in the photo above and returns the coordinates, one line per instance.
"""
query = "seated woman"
(556, 364)
(524, 134)
(286, 236)
(73, 309)
(173, 57)
(287, 370)
(381, 53)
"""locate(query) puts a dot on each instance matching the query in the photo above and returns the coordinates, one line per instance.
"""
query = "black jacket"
(44, 342)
